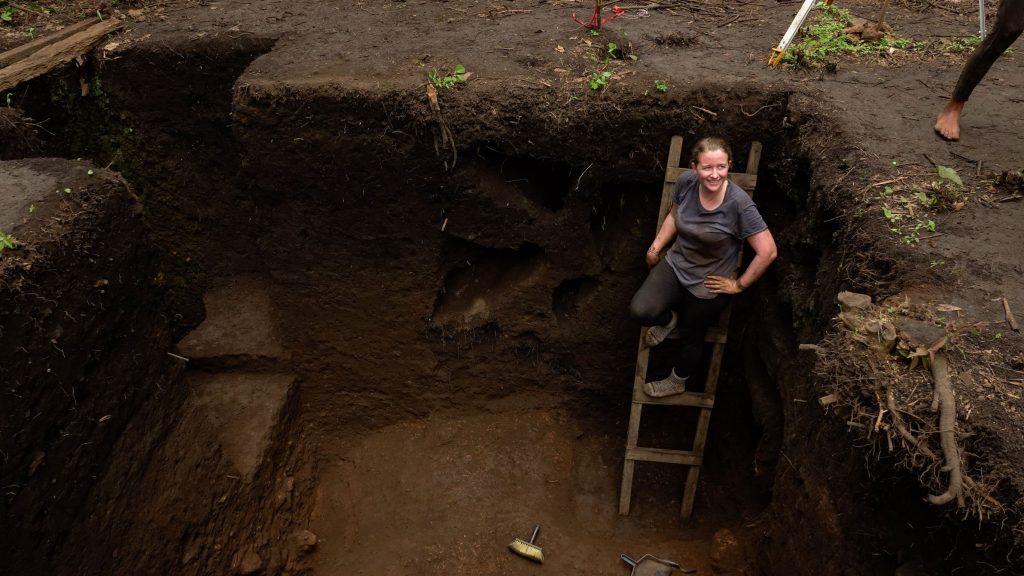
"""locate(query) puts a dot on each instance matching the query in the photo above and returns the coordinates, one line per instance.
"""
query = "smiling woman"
(709, 220)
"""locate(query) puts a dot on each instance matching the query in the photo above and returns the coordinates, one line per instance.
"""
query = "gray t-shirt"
(707, 242)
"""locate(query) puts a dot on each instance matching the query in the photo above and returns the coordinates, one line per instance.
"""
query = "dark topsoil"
(859, 123)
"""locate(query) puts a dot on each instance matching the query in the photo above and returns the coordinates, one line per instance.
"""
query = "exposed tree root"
(947, 432)
(907, 436)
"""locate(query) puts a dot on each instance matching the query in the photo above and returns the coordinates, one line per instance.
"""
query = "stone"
(854, 301)
(726, 553)
(303, 542)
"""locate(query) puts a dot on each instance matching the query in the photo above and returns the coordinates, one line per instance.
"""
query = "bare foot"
(948, 123)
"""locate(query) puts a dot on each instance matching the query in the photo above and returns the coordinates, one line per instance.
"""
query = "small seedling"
(7, 13)
(949, 174)
(961, 45)
(661, 86)
(8, 241)
(90, 172)
(67, 190)
(8, 98)
(599, 79)
(458, 76)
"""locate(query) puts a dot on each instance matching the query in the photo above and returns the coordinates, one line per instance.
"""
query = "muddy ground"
(446, 291)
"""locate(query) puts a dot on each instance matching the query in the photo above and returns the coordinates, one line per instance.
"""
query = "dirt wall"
(82, 334)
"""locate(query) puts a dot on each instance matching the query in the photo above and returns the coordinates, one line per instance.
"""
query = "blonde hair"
(709, 144)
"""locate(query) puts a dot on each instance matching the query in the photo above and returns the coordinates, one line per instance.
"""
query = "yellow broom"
(528, 550)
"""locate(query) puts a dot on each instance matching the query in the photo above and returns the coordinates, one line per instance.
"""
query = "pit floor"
(447, 494)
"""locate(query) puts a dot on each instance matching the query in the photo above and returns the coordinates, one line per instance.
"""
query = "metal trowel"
(649, 565)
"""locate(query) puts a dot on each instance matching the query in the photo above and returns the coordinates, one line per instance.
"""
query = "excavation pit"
(323, 328)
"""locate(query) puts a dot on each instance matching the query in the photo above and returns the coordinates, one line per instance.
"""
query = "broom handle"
(535, 530)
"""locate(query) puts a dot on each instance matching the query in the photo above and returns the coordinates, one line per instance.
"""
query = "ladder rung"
(695, 399)
(664, 455)
(716, 335)
(746, 181)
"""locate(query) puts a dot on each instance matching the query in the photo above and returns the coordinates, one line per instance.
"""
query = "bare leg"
(948, 123)
(1008, 27)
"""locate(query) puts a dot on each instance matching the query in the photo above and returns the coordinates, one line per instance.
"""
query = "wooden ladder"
(716, 335)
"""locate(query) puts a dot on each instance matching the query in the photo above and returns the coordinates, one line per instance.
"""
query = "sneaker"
(657, 334)
(674, 384)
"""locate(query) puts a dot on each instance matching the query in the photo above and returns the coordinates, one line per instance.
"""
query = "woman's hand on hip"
(652, 257)
(723, 285)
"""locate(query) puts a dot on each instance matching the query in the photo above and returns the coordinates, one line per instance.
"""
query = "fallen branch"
(1009, 315)
(947, 432)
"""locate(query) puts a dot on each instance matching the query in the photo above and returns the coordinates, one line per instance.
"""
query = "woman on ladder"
(700, 240)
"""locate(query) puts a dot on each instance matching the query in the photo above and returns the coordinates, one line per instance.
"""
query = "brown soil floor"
(531, 457)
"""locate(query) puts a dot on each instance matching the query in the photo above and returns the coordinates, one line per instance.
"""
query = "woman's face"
(712, 168)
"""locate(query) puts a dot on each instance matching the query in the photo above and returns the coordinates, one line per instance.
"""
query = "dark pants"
(1008, 26)
(660, 293)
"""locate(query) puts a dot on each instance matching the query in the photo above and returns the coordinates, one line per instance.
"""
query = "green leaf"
(950, 174)
(460, 69)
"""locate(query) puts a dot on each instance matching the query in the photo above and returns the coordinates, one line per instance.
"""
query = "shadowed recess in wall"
(484, 282)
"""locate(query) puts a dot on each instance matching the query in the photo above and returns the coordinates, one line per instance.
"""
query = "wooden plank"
(56, 54)
(675, 150)
(690, 491)
(691, 399)
(14, 54)
(664, 455)
(753, 163)
(716, 335)
(626, 490)
(746, 181)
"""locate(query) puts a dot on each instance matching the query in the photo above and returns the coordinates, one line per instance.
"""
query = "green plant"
(458, 76)
(961, 45)
(7, 13)
(599, 79)
(612, 47)
(949, 174)
(661, 86)
(825, 39)
(7, 241)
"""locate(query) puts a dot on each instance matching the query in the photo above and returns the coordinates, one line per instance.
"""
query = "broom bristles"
(527, 550)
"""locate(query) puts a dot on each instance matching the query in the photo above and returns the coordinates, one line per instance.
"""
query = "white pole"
(981, 17)
(793, 28)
